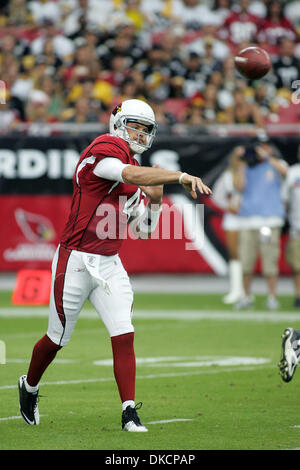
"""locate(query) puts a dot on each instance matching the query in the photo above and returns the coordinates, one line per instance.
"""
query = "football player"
(109, 190)
(290, 356)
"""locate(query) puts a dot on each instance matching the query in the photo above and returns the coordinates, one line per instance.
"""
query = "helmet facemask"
(123, 120)
(140, 144)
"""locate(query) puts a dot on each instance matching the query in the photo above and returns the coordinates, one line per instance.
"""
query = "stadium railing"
(48, 129)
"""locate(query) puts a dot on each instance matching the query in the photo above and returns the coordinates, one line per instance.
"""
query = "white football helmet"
(133, 111)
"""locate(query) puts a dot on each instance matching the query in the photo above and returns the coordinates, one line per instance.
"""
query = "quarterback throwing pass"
(107, 180)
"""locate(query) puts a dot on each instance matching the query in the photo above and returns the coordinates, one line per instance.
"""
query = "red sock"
(124, 365)
(42, 355)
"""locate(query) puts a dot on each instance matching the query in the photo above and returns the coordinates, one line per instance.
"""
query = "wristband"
(180, 177)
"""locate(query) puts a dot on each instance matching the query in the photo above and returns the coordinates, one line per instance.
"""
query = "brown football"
(253, 62)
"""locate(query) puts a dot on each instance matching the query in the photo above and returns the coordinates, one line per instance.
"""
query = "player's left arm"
(144, 220)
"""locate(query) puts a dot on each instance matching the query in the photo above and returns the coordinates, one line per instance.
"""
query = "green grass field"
(207, 377)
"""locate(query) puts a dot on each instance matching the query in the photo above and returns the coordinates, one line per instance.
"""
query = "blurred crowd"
(72, 61)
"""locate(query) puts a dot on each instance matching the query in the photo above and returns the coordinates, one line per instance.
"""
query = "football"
(253, 62)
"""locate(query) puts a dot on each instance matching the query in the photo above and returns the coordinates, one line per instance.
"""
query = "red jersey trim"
(61, 268)
(75, 220)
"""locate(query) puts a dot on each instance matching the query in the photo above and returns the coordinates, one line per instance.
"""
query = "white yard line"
(163, 421)
(191, 361)
(25, 361)
(149, 376)
(8, 418)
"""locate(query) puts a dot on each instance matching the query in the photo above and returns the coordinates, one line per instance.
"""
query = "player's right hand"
(192, 184)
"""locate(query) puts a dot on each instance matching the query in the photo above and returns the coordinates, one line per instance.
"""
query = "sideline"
(181, 283)
(191, 315)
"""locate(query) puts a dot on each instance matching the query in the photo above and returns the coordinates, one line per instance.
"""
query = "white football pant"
(78, 276)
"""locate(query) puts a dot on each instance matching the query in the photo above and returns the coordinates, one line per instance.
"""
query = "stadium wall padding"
(36, 187)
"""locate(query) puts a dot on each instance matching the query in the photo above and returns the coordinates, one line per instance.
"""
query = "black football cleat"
(131, 421)
(28, 403)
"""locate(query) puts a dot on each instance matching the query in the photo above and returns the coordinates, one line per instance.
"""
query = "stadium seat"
(176, 107)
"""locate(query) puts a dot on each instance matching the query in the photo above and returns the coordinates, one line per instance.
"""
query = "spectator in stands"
(157, 74)
(63, 46)
(21, 86)
(208, 44)
(18, 13)
(193, 114)
(209, 63)
(38, 116)
(291, 197)
(221, 10)
(173, 55)
(163, 118)
(292, 12)
(262, 215)
(92, 37)
(211, 106)
(160, 14)
(95, 94)
(240, 25)
(213, 111)
(225, 98)
(138, 78)
(129, 90)
(275, 26)
(205, 108)
(135, 14)
(152, 41)
(10, 70)
(81, 113)
(230, 77)
(226, 196)
(258, 8)
(100, 14)
(42, 11)
(124, 43)
(10, 44)
(192, 13)
(286, 67)
(118, 71)
(83, 56)
(243, 111)
(76, 20)
(194, 79)
(172, 44)
(262, 98)
(52, 88)
(50, 56)
(9, 116)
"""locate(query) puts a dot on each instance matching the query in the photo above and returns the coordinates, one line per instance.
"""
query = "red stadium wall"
(36, 186)
(33, 225)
